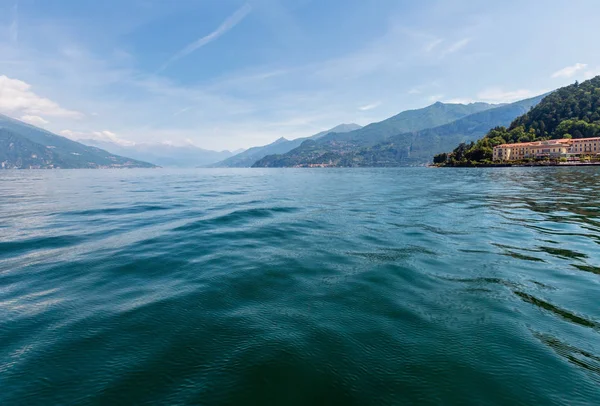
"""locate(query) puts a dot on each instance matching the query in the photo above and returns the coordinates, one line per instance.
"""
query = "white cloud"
(14, 25)
(96, 135)
(569, 71)
(459, 101)
(370, 106)
(35, 120)
(430, 46)
(435, 97)
(227, 25)
(455, 47)
(414, 91)
(16, 97)
(499, 95)
(591, 73)
(183, 110)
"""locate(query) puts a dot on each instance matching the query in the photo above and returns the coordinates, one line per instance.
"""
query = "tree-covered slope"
(18, 152)
(569, 112)
(560, 112)
(247, 158)
(410, 148)
(24, 145)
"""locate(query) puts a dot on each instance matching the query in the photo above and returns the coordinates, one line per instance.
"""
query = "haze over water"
(342, 286)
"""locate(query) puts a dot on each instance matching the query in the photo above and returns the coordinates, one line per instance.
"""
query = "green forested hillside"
(19, 152)
(573, 110)
(569, 112)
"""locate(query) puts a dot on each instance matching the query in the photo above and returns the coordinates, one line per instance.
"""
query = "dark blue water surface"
(300, 287)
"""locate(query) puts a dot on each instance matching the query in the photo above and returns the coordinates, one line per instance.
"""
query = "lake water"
(300, 287)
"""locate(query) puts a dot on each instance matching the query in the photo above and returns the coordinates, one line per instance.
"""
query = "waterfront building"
(561, 148)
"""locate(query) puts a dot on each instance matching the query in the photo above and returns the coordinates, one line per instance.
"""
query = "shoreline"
(520, 165)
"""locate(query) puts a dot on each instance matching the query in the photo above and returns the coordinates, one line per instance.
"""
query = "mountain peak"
(280, 140)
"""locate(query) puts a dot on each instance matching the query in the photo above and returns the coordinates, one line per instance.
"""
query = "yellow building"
(563, 148)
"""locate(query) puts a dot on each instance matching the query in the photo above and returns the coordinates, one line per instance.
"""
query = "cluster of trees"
(577, 102)
(480, 152)
(569, 112)
(577, 129)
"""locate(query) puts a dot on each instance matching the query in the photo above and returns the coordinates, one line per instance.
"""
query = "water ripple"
(366, 286)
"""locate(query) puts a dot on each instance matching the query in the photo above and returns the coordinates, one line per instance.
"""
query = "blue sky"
(228, 74)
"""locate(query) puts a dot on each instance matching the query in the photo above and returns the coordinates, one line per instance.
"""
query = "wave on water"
(342, 286)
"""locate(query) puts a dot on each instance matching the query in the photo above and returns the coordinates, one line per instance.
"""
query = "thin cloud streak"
(227, 25)
(370, 106)
(569, 71)
(455, 47)
(14, 25)
(433, 44)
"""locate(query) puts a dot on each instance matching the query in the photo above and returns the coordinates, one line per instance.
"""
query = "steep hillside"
(411, 148)
(247, 158)
(570, 112)
(573, 110)
(25, 146)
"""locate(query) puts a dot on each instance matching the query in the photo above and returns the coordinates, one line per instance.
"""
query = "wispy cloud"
(459, 101)
(227, 25)
(370, 106)
(183, 110)
(455, 47)
(105, 135)
(35, 120)
(591, 73)
(430, 46)
(499, 95)
(569, 71)
(14, 25)
(435, 97)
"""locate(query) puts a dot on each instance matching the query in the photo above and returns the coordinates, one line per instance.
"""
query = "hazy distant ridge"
(175, 156)
(247, 158)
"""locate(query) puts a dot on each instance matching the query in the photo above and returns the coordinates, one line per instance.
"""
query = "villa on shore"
(562, 148)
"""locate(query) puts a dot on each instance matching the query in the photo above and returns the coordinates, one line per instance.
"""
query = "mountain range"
(24, 146)
(247, 158)
(409, 138)
(165, 155)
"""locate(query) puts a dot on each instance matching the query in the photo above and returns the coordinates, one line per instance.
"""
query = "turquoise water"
(300, 287)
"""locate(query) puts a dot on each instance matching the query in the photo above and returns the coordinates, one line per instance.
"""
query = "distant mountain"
(163, 154)
(407, 148)
(247, 158)
(408, 121)
(24, 146)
